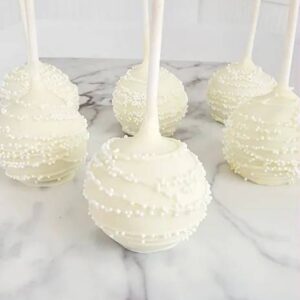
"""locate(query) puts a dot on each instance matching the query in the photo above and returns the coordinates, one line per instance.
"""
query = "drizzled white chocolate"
(262, 139)
(149, 201)
(129, 100)
(235, 84)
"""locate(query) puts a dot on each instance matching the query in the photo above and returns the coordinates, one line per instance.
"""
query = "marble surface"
(248, 248)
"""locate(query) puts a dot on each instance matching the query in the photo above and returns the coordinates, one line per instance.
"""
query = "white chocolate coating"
(262, 139)
(129, 100)
(235, 84)
(42, 135)
(146, 201)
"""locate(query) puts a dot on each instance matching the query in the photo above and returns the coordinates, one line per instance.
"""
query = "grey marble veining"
(248, 248)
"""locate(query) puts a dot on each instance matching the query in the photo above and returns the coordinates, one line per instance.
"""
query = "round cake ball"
(262, 138)
(234, 84)
(146, 200)
(42, 136)
(18, 81)
(129, 100)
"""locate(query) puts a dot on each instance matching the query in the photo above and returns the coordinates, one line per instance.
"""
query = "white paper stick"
(23, 15)
(151, 123)
(289, 44)
(251, 39)
(33, 57)
(146, 32)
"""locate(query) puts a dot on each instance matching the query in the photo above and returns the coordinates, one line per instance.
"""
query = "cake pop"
(237, 82)
(262, 137)
(129, 96)
(147, 192)
(51, 76)
(42, 136)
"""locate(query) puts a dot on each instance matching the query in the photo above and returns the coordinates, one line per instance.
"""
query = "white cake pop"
(262, 137)
(129, 96)
(42, 136)
(238, 82)
(129, 100)
(147, 192)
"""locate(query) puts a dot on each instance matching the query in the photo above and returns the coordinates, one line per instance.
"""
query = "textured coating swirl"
(262, 139)
(147, 202)
(129, 100)
(235, 84)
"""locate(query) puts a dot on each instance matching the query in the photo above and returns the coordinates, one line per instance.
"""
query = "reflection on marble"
(248, 248)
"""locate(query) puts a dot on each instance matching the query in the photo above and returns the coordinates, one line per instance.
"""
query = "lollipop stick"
(23, 15)
(250, 45)
(33, 57)
(289, 44)
(150, 125)
(146, 31)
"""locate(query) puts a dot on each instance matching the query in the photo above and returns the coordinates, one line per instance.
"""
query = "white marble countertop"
(248, 248)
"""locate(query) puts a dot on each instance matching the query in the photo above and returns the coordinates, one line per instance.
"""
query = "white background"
(201, 30)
